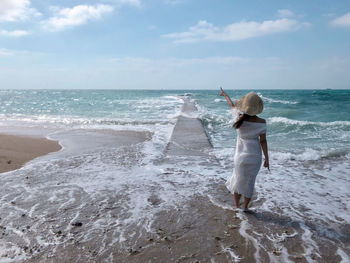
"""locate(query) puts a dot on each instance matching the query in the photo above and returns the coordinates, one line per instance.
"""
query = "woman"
(251, 138)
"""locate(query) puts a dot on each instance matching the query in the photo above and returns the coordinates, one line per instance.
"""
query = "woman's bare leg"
(237, 197)
(246, 203)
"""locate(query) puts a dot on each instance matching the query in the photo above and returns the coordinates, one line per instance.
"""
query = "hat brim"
(249, 111)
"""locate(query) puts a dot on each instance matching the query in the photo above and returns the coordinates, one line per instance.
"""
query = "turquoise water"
(315, 123)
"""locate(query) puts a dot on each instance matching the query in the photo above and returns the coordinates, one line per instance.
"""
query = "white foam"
(243, 231)
(192, 115)
(176, 98)
(276, 101)
(277, 238)
(310, 246)
(344, 257)
(218, 204)
(10, 252)
(308, 154)
(234, 257)
(304, 123)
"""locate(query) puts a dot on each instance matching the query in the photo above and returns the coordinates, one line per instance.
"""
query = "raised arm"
(229, 101)
(263, 144)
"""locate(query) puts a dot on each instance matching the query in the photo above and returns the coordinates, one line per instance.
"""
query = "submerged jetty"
(189, 137)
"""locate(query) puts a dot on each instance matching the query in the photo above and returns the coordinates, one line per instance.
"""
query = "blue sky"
(174, 44)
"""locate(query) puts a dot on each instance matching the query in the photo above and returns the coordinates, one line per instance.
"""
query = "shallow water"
(100, 172)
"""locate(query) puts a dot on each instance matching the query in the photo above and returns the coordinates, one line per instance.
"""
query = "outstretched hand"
(229, 101)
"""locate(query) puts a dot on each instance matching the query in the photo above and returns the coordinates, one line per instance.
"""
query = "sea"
(308, 134)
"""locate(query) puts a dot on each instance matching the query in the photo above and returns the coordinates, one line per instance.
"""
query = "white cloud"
(16, 10)
(205, 31)
(75, 16)
(343, 21)
(15, 33)
(285, 13)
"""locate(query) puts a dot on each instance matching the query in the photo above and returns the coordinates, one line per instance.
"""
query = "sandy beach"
(15, 151)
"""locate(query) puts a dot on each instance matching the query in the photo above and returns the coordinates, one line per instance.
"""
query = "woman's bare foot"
(246, 203)
(249, 211)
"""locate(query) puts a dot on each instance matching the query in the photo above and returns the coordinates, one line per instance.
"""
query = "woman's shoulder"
(256, 119)
(260, 120)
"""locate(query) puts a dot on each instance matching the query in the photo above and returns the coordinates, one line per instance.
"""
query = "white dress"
(247, 158)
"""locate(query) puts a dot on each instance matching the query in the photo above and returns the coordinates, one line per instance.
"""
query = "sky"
(174, 44)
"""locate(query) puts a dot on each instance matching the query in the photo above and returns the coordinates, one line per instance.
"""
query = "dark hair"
(240, 121)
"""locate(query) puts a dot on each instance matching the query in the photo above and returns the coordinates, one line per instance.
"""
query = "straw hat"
(250, 104)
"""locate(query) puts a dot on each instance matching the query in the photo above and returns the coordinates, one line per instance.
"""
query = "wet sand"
(15, 151)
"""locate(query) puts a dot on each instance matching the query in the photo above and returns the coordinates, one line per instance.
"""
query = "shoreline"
(16, 151)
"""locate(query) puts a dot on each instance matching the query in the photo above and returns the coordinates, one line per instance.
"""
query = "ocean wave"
(192, 115)
(276, 101)
(172, 97)
(71, 121)
(310, 154)
(304, 123)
